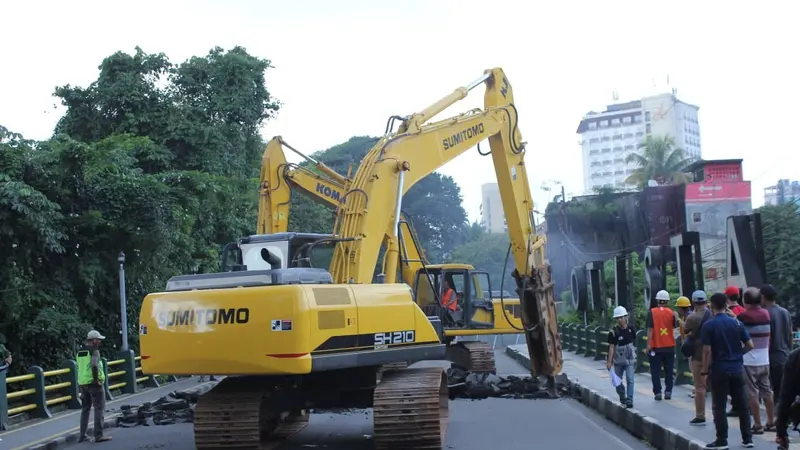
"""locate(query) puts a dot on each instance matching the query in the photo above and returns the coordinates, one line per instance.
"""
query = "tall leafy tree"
(781, 234)
(660, 159)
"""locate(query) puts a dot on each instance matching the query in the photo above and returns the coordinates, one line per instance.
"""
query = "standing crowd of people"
(739, 347)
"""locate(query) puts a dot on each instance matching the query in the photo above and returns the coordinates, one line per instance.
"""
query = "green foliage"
(660, 159)
(781, 234)
(487, 252)
(154, 159)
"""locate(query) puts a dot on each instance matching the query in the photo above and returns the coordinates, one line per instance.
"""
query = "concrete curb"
(643, 427)
(110, 422)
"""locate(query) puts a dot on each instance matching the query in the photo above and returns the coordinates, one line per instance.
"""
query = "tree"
(154, 159)
(659, 159)
(487, 252)
(781, 235)
(433, 205)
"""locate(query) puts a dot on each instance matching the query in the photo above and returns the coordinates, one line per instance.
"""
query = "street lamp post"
(123, 306)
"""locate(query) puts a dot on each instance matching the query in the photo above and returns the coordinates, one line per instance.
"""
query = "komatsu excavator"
(300, 337)
(477, 312)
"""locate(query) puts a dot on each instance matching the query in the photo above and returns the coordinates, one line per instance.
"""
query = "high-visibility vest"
(84, 361)
(449, 300)
(663, 326)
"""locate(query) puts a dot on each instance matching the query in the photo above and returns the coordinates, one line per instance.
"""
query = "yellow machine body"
(289, 329)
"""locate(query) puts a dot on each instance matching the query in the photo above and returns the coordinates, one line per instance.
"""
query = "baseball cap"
(769, 290)
(94, 334)
(731, 290)
(699, 296)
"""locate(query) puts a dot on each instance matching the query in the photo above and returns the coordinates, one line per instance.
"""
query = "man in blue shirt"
(725, 341)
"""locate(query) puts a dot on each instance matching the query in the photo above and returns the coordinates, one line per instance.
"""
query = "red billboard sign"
(715, 192)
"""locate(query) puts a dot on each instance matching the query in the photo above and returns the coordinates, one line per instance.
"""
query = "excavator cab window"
(480, 309)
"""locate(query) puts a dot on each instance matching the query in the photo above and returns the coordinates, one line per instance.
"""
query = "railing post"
(599, 337)
(130, 371)
(581, 340)
(40, 396)
(3, 401)
(74, 388)
(590, 341)
(575, 341)
(109, 397)
(171, 378)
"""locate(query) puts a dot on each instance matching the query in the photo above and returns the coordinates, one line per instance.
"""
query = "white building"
(493, 219)
(784, 192)
(608, 137)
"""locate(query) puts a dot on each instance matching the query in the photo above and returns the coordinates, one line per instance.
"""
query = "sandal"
(770, 427)
(757, 429)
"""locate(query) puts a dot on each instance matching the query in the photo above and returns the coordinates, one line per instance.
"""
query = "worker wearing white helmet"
(661, 324)
(622, 354)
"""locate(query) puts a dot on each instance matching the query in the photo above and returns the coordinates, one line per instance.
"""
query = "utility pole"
(123, 306)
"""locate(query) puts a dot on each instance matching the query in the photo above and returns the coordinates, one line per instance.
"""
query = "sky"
(341, 68)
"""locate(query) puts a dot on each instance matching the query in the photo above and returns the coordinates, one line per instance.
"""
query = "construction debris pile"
(178, 406)
(476, 386)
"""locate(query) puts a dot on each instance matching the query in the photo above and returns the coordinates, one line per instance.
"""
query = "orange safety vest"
(663, 326)
(449, 299)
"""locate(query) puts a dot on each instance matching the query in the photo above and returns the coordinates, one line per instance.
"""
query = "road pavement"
(509, 424)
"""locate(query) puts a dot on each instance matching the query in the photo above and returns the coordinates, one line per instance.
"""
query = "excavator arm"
(280, 179)
(399, 160)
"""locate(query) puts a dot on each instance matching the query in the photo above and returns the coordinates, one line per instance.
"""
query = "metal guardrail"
(592, 342)
(33, 395)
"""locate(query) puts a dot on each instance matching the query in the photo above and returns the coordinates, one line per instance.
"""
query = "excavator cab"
(474, 308)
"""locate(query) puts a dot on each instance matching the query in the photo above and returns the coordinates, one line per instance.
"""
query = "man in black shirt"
(790, 389)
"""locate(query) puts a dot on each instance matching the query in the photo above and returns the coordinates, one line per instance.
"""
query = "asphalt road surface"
(509, 424)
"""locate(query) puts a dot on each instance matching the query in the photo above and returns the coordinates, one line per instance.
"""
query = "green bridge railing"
(40, 393)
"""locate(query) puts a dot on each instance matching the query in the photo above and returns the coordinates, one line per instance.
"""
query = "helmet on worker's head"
(683, 302)
(662, 296)
(620, 311)
(699, 296)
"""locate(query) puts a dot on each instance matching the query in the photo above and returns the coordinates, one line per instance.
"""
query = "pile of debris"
(176, 407)
(476, 386)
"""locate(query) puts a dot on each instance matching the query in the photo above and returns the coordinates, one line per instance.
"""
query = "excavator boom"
(399, 160)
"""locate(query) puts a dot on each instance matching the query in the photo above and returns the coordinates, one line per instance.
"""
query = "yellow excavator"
(297, 336)
(280, 179)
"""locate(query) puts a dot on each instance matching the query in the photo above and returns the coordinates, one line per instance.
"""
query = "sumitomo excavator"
(296, 337)
(280, 179)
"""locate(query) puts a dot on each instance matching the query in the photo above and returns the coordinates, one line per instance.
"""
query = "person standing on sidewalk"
(692, 328)
(725, 341)
(756, 321)
(734, 302)
(780, 338)
(91, 379)
(622, 354)
(789, 391)
(661, 325)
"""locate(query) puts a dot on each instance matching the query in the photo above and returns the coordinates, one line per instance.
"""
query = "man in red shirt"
(732, 292)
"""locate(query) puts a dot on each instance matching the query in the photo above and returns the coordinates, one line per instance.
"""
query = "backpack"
(688, 347)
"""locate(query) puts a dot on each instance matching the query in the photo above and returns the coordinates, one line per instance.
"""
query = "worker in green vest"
(91, 378)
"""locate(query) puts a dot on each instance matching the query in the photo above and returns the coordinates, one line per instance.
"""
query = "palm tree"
(660, 159)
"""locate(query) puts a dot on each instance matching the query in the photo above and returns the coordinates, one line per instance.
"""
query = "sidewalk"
(40, 431)
(671, 415)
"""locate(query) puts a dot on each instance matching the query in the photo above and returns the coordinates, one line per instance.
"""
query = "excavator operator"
(449, 298)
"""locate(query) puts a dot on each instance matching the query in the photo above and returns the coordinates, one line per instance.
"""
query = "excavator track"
(411, 409)
(395, 366)
(231, 416)
(474, 356)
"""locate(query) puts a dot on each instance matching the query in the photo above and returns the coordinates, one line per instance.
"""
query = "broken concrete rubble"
(463, 384)
(178, 407)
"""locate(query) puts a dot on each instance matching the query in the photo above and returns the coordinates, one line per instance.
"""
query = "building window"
(606, 150)
(593, 140)
(647, 116)
(637, 119)
(697, 217)
(626, 120)
(647, 128)
(606, 174)
(629, 147)
(628, 135)
(617, 137)
(606, 162)
(618, 149)
(619, 160)
(614, 121)
(594, 152)
(639, 134)
(592, 125)
(596, 175)
(606, 138)
(619, 172)
(603, 123)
